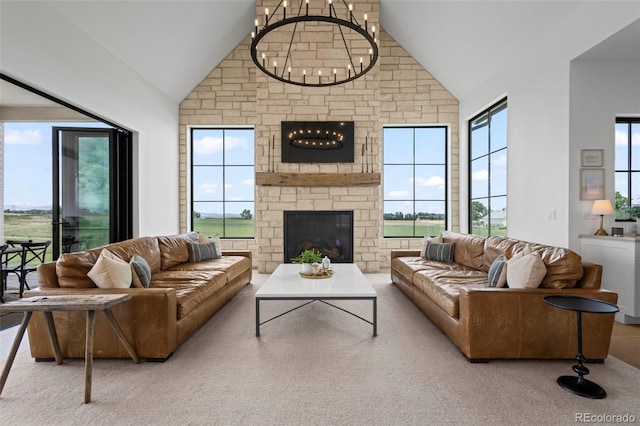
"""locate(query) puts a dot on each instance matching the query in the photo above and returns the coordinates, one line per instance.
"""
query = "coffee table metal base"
(374, 300)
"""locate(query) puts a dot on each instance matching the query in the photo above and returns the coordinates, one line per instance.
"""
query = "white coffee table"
(347, 283)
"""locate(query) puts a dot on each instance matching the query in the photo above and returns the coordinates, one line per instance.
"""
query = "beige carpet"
(316, 365)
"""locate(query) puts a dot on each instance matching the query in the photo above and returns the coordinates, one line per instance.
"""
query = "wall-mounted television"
(317, 142)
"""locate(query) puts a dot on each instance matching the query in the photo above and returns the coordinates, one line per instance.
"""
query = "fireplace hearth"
(330, 232)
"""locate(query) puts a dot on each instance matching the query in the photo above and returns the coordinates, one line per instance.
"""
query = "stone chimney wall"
(396, 91)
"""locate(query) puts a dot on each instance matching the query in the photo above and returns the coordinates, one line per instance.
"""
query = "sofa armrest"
(47, 276)
(245, 253)
(518, 322)
(148, 319)
(591, 276)
(404, 253)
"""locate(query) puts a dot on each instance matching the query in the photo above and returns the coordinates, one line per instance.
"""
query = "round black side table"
(579, 385)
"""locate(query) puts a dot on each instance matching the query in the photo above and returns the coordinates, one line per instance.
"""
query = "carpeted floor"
(316, 365)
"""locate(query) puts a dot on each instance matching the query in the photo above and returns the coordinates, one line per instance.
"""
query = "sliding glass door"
(91, 188)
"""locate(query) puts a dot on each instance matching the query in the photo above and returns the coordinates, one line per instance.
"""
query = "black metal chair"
(11, 259)
(32, 255)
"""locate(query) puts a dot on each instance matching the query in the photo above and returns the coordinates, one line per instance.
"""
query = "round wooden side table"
(579, 385)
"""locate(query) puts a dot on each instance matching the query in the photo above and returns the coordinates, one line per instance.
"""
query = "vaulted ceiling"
(175, 44)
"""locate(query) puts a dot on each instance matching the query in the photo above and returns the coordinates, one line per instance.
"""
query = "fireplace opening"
(330, 232)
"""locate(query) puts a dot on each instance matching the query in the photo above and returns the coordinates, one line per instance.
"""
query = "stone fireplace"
(329, 232)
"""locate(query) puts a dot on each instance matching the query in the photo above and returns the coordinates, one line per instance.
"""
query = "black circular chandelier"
(355, 62)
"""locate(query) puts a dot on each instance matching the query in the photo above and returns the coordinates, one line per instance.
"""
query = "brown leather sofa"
(181, 297)
(505, 323)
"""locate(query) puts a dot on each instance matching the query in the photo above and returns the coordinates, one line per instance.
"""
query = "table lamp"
(601, 207)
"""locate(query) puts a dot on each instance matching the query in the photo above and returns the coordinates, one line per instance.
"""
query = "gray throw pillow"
(442, 252)
(141, 271)
(202, 251)
(498, 272)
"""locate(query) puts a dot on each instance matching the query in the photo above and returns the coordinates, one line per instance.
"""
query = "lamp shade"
(602, 207)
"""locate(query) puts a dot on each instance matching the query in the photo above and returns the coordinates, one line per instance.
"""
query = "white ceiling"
(174, 44)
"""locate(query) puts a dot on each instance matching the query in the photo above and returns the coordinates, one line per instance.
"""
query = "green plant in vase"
(306, 258)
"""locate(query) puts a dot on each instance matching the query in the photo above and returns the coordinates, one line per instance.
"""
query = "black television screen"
(317, 142)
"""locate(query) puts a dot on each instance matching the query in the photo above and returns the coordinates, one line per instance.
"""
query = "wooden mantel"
(317, 179)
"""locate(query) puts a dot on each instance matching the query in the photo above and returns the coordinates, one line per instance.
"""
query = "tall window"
(627, 165)
(222, 181)
(488, 171)
(415, 181)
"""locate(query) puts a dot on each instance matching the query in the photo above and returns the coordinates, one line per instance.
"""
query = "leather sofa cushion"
(72, 268)
(468, 249)
(443, 286)
(407, 266)
(173, 249)
(233, 266)
(564, 266)
(192, 287)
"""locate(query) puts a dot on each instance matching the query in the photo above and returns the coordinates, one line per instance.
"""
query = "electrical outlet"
(552, 214)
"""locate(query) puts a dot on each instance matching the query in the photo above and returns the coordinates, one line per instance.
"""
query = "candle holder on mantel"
(367, 156)
(271, 157)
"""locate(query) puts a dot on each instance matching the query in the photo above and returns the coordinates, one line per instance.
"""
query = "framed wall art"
(591, 184)
(591, 158)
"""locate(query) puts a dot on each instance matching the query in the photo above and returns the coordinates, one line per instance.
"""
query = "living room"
(563, 85)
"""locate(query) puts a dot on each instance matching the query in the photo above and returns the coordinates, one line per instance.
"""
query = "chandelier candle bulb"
(360, 63)
(275, 67)
(307, 6)
(284, 10)
(289, 72)
(365, 22)
(373, 31)
(350, 12)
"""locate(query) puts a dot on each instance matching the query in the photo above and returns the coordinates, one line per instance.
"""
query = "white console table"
(620, 260)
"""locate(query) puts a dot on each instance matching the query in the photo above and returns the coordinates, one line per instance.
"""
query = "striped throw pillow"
(202, 251)
(442, 252)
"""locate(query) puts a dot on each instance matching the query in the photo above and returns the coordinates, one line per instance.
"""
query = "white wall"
(540, 163)
(78, 70)
(600, 91)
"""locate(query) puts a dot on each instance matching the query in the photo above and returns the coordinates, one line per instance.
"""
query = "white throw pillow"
(526, 250)
(110, 271)
(437, 239)
(525, 271)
